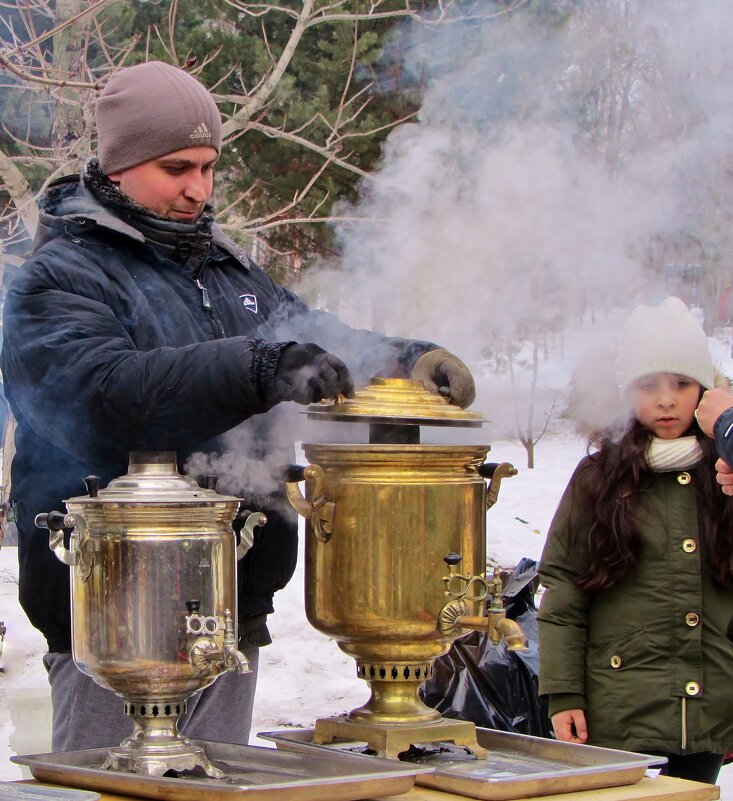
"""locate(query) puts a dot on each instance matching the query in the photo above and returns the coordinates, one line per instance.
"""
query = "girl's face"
(665, 403)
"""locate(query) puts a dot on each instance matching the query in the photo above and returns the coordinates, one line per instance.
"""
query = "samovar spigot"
(234, 659)
(203, 652)
(499, 625)
(454, 618)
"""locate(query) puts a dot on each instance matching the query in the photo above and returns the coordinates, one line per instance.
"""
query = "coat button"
(684, 478)
(692, 688)
(616, 662)
(689, 545)
(692, 618)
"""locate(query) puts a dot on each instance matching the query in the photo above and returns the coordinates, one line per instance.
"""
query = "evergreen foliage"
(337, 70)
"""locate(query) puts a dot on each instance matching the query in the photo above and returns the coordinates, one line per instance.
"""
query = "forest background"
(482, 173)
(308, 91)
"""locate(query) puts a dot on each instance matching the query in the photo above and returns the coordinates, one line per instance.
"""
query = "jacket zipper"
(206, 303)
(204, 295)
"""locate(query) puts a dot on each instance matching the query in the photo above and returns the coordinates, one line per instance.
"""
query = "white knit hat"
(664, 339)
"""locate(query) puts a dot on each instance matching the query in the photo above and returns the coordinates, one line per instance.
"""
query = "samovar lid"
(395, 401)
(152, 477)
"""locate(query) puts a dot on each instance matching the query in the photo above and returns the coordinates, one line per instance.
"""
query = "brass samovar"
(153, 600)
(395, 556)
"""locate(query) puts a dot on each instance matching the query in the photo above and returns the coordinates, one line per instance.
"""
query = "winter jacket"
(114, 342)
(723, 431)
(650, 660)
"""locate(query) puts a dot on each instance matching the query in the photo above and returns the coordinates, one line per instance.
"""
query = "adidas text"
(200, 132)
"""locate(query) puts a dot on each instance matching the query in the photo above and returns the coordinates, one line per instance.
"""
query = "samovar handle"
(319, 511)
(56, 522)
(495, 472)
(247, 533)
(81, 553)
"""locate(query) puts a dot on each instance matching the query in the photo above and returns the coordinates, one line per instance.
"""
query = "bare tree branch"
(62, 73)
(19, 189)
(251, 105)
(278, 133)
(330, 13)
(24, 74)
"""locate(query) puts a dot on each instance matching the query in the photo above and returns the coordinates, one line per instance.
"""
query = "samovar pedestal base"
(392, 739)
(156, 746)
(148, 763)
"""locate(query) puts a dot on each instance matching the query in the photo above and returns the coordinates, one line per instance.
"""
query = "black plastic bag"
(485, 682)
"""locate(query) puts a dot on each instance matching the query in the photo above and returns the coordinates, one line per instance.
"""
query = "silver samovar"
(153, 597)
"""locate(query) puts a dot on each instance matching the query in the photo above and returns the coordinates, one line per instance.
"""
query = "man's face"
(175, 186)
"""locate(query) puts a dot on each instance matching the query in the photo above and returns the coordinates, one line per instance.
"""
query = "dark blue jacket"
(723, 431)
(114, 344)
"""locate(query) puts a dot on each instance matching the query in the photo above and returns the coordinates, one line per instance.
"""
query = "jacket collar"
(68, 201)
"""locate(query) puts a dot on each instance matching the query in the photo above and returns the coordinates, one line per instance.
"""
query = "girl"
(638, 567)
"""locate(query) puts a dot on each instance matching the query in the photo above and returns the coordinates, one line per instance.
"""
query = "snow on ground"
(303, 674)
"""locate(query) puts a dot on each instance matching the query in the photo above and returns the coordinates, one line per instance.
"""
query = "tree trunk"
(68, 121)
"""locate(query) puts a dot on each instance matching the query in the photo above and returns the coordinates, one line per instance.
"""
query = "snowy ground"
(303, 675)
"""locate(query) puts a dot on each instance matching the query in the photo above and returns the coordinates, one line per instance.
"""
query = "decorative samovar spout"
(511, 632)
(499, 625)
(203, 653)
(454, 619)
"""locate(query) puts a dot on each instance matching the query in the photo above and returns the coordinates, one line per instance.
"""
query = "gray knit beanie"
(152, 109)
(664, 339)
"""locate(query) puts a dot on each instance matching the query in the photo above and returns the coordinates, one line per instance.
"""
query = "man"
(715, 417)
(138, 325)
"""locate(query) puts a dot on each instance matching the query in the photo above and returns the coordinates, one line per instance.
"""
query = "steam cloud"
(550, 155)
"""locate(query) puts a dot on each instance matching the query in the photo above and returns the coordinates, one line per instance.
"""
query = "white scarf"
(664, 455)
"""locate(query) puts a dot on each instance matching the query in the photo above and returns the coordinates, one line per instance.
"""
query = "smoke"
(252, 454)
(249, 461)
(554, 148)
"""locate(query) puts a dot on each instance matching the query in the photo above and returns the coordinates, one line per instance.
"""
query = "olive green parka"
(649, 660)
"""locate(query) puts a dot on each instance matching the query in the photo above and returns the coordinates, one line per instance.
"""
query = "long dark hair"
(614, 475)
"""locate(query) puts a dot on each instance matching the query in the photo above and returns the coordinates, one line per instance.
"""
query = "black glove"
(445, 374)
(308, 374)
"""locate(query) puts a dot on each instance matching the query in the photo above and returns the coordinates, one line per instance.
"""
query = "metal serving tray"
(252, 773)
(517, 766)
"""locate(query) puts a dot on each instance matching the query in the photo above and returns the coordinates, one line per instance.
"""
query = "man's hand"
(724, 476)
(569, 726)
(308, 374)
(445, 374)
(713, 403)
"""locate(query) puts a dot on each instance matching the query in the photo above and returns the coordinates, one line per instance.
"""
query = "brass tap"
(203, 652)
(462, 586)
(453, 620)
(512, 633)
(500, 627)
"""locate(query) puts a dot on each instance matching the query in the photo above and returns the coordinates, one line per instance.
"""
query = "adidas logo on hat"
(201, 132)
